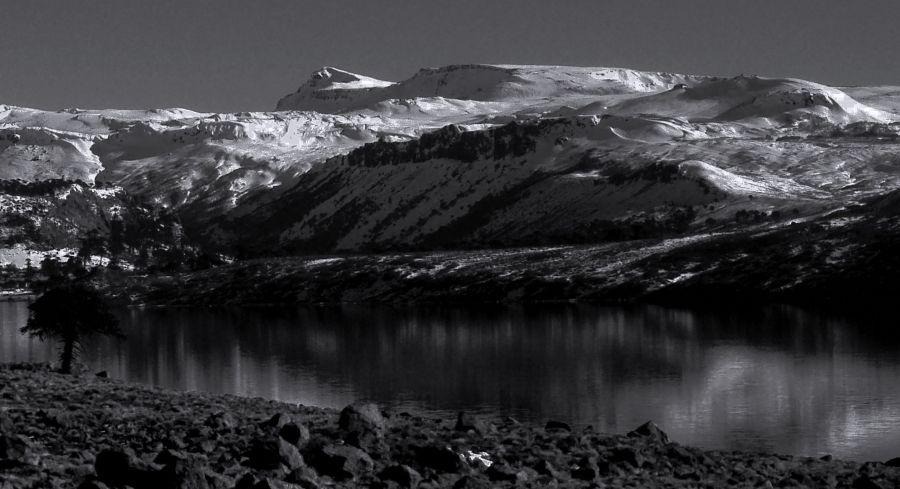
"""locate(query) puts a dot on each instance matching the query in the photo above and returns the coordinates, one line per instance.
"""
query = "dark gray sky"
(229, 55)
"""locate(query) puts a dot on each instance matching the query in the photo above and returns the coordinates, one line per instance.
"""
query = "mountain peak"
(329, 77)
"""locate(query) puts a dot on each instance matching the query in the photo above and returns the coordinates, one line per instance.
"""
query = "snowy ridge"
(496, 83)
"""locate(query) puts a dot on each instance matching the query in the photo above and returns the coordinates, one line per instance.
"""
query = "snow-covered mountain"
(335, 91)
(480, 156)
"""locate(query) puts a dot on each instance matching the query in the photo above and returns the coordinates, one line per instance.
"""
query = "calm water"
(776, 379)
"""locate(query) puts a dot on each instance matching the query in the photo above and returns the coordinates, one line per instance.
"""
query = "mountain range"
(468, 157)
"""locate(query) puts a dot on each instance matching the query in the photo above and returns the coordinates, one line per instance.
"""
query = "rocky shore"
(62, 431)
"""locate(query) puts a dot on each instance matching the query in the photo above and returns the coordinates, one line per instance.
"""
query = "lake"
(773, 379)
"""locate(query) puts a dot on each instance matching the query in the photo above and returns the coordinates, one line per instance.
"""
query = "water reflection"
(772, 379)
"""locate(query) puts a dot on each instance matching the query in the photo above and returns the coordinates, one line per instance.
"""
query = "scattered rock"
(465, 422)
(199, 441)
(680, 454)
(865, 482)
(501, 473)
(272, 452)
(221, 421)
(626, 454)
(403, 475)
(92, 484)
(247, 481)
(268, 483)
(277, 421)
(440, 459)
(472, 482)
(363, 425)
(6, 424)
(305, 477)
(340, 462)
(185, 473)
(121, 468)
(14, 450)
(167, 457)
(567, 443)
(650, 430)
(113, 467)
(544, 467)
(55, 418)
(557, 426)
(586, 469)
(297, 435)
(218, 481)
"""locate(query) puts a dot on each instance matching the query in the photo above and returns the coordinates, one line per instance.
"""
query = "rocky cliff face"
(63, 219)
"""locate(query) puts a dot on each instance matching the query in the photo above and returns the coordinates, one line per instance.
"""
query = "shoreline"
(17, 296)
(86, 431)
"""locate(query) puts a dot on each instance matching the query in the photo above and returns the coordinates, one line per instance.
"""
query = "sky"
(239, 55)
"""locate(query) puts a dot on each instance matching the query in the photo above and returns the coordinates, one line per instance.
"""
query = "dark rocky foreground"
(91, 432)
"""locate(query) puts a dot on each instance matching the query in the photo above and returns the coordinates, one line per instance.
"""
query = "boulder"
(297, 435)
(271, 453)
(894, 462)
(403, 475)
(362, 424)
(650, 430)
(221, 421)
(625, 454)
(466, 423)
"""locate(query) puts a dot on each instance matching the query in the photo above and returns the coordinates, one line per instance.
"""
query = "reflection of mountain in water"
(775, 379)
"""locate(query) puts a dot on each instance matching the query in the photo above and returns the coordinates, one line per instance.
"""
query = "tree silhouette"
(70, 313)
(92, 244)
